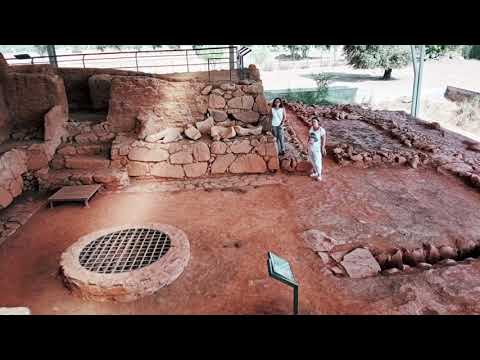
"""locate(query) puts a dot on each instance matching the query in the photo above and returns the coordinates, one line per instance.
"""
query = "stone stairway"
(84, 156)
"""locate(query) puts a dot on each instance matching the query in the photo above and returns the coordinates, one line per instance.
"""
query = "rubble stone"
(360, 263)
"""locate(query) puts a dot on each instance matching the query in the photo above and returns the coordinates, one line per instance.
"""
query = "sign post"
(280, 270)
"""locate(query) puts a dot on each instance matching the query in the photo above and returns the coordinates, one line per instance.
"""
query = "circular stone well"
(126, 262)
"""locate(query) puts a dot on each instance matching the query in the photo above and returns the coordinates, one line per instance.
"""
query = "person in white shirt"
(317, 138)
(278, 118)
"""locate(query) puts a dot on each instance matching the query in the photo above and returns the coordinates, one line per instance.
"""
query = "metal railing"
(153, 61)
(241, 54)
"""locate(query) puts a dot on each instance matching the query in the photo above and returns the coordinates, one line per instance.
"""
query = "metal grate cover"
(124, 250)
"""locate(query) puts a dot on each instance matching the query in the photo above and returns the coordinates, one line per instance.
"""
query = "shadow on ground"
(348, 77)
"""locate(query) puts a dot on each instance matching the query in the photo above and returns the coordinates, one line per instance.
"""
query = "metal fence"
(151, 61)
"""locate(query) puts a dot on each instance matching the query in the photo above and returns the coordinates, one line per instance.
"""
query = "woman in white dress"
(317, 138)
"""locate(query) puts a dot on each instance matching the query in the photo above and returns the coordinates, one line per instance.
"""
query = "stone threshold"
(204, 184)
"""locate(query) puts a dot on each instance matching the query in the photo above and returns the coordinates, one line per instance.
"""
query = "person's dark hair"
(281, 102)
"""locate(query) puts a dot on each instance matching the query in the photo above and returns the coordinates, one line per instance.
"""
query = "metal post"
(208, 64)
(295, 300)
(419, 81)
(417, 57)
(232, 57)
(414, 94)
(83, 60)
(136, 60)
(186, 55)
(52, 55)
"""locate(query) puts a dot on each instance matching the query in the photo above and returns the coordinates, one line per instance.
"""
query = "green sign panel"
(280, 269)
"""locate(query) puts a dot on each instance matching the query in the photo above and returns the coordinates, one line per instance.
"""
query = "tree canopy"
(387, 57)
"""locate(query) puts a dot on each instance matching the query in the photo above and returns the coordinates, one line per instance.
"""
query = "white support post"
(232, 57)
(52, 55)
(418, 55)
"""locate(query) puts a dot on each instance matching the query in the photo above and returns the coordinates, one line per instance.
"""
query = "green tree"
(300, 51)
(387, 57)
(436, 51)
(471, 52)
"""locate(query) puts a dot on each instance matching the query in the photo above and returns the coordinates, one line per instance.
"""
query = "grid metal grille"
(124, 250)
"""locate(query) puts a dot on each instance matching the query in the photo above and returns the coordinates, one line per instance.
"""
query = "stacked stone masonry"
(165, 126)
(23, 161)
(192, 159)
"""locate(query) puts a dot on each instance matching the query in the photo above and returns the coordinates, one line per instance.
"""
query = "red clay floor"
(230, 233)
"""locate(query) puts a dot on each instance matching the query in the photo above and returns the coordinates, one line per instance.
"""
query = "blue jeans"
(278, 133)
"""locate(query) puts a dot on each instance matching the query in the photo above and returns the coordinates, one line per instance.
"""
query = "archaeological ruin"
(194, 194)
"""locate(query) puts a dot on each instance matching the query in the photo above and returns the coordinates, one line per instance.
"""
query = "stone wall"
(185, 129)
(180, 103)
(82, 94)
(13, 164)
(21, 162)
(4, 117)
(77, 86)
(4, 112)
(173, 103)
(89, 89)
(31, 95)
(191, 159)
(460, 95)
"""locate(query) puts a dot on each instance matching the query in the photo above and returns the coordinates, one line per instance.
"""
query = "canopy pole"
(418, 55)
(52, 55)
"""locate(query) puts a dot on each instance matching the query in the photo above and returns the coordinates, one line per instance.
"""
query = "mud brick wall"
(4, 117)
(30, 96)
(89, 89)
(77, 86)
(180, 103)
(174, 103)
(193, 159)
(4, 112)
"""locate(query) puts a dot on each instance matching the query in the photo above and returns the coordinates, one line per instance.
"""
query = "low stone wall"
(39, 155)
(460, 95)
(393, 138)
(21, 162)
(13, 164)
(192, 159)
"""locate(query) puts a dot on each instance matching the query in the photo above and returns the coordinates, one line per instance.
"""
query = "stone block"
(196, 169)
(248, 164)
(148, 155)
(167, 170)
